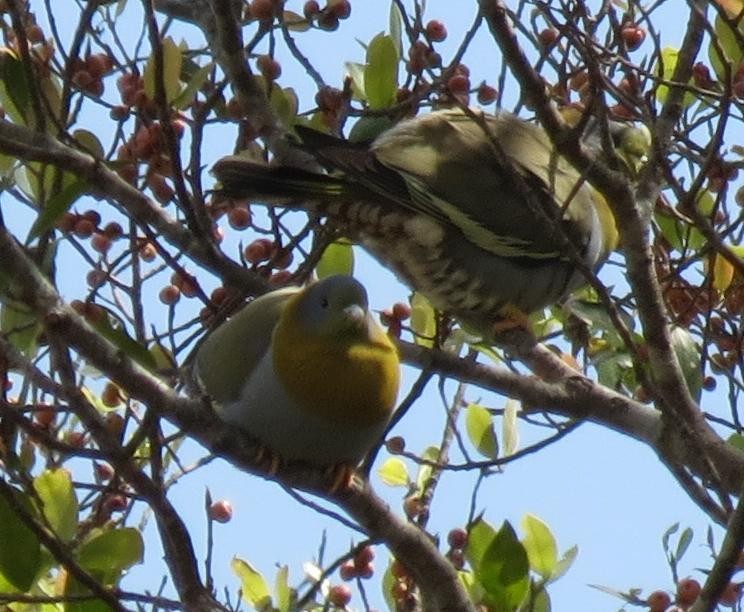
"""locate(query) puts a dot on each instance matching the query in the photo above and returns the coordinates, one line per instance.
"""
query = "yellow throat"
(350, 378)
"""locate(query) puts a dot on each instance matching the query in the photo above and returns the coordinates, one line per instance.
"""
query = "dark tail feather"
(242, 178)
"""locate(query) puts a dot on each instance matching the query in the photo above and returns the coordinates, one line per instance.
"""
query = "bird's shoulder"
(230, 353)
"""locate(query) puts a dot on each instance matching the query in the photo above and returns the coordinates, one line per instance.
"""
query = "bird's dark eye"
(324, 303)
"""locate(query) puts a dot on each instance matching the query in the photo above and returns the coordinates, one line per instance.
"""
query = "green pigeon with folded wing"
(472, 210)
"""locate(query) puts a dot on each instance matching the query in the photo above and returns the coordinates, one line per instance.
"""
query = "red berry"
(148, 252)
(111, 396)
(99, 64)
(35, 34)
(280, 278)
(115, 503)
(364, 557)
(456, 558)
(162, 191)
(45, 415)
(688, 590)
(548, 36)
(104, 471)
(84, 228)
(281, 257)
(367, 571)
(348, 570)
(100, 242)
(269, 67)
(701, 76)
(66, 223)
(395, 445)
(633, 36)
(259, 250)
(458, 84)
(93, 217)
(113, 230)
(328, 21)
(115, 424)
(658, 601)
(340, 9)
(82, 79)
(487, 94)
(221, 511)
(310, 9)
(76, 438)
(262, 9)
(96, 278)
(218, 296)
(339, 595)
(401, 311)
(239, 217)
(731, 594)
(436, 31)
(169, 295)
(457, 538)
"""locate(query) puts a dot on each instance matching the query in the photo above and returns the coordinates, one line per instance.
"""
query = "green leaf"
(338, 258)
(387, 584)
(736, 440)
(424, 474)
(193, 85)
(111, 552)
(565, 563)
(668, 62)
(370, 127)
(539, 542)
(504, 570)
(685, 539)
(423, 320)
(295, 22)
(14, 92)
(381, 72)
(688, 354)
(396, 28)
(284, 102)
(726, 41)
(172, 60)
(394, 473)
(479, 424)
(480, 536)
(285, 596)
(59, 503)
(668, 534)
(672, 230)
(57, 206)
(510, 426)
(89, 143)
(20, 552)
(355, 71)
(540, 602)
(252, 583)
(113, 330)
(21, 326)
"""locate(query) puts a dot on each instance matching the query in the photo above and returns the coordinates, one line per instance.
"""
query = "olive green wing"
(230, 353)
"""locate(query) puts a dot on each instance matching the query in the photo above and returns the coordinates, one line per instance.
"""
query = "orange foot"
(345, 478)
(511, 318)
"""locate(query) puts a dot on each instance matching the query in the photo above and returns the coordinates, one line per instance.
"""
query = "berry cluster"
(329, 16)
(393, 318)
(688, 590)
(88, 73)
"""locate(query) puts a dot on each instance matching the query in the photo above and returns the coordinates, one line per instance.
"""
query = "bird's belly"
(268, 413)
(456, 275)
